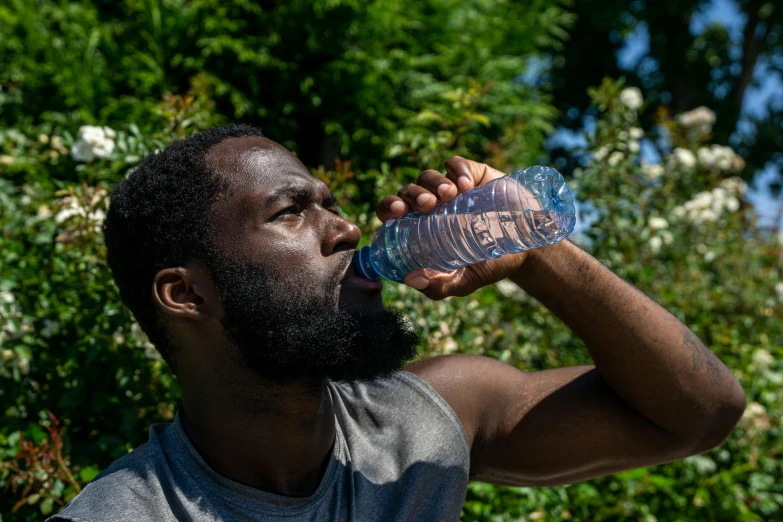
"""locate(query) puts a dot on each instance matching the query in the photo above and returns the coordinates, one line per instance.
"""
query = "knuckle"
(404, 191)
(428, 176)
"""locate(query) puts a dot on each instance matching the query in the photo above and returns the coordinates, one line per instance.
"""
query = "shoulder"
(478, 389)
(401, 390)
(401, 410)
(128, 489)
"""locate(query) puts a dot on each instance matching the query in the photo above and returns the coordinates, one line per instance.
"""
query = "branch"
(751, 49)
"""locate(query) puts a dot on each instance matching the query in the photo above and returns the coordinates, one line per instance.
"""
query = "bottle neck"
(363, 266)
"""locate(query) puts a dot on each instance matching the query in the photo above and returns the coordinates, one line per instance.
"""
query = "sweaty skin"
(656, 393)
(270, 435)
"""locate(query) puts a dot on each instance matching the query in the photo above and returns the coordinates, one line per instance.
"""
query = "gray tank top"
(400, 454)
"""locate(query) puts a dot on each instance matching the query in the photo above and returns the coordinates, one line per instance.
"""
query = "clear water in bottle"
(528, 209)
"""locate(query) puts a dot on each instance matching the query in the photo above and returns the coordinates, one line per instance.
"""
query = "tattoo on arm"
(703, 357)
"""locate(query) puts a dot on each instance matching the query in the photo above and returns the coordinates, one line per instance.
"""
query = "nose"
(341, 235)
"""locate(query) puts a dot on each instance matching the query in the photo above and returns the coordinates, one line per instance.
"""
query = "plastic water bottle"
(528, 209)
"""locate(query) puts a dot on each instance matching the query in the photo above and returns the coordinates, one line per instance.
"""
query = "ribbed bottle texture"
(528, 209)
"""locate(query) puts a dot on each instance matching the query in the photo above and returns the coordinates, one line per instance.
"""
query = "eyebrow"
(298, 193)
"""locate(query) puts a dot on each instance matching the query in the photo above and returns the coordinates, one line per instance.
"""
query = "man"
(236, 263)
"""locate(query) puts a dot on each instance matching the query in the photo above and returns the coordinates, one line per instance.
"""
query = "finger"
(438, 184)
(391, 207)
(437, 285)
(418, 198)
(467, 174)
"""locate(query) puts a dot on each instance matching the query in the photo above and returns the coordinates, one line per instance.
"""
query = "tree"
(681, 70)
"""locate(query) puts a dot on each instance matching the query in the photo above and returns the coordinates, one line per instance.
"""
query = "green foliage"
(401, 86)
(326, 78)
(717, 66)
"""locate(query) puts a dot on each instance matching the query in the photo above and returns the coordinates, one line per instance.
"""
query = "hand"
(432, 188)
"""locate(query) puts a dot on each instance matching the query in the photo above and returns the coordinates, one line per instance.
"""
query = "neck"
(275, 437)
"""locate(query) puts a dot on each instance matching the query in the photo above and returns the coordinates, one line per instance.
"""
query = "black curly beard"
(288, 334)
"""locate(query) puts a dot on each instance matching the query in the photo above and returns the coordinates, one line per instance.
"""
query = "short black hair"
(159, 217)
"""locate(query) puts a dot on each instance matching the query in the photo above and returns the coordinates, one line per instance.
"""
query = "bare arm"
(656, 393)
(649, 358)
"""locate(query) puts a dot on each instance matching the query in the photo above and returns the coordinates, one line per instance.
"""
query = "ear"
(186, 292)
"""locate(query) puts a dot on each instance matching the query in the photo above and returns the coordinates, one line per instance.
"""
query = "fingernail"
(443, 189)
(463, 182)
(397, 207)
(419, 283)
(423, 199)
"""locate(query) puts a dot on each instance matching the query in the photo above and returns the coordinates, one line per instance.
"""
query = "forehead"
(260, 174)
(255, 164)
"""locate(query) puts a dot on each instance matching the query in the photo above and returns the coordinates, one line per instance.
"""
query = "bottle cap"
(362, 265)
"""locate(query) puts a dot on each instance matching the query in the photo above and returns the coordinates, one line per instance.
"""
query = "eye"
(293, 210)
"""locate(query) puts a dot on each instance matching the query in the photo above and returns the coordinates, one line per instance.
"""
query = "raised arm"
(656, 393)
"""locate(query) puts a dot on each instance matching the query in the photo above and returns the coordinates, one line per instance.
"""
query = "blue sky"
(767, 90)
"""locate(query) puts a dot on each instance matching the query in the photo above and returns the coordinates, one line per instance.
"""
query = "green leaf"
(46, 506)
(89, 473)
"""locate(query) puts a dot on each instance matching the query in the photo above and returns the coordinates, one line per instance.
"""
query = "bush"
(384, 100)
(680, 232)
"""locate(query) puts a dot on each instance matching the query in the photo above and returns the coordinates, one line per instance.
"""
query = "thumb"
(440, 285)
(419, 278)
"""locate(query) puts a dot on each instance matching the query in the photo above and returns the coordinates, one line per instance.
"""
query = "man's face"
(281, 253)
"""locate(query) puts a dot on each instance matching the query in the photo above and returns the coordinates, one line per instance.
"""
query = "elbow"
(725, 417)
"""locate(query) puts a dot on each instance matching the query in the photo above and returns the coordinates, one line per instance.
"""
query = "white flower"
(138, 334)
(720, 158)
(700, 120)
(708, 215)
(44, 212)
(24, 365)
(118, 338)
(679, 212)
(615, 158)
(632, 98)
(763, 359)
(601, 153)
(779, 289)
(510, 289)
(732, 204)
(97, 216)
(49, 328)
(5, 159)
(702, 200)
(94, 142)
(755, 409)
(636, 133)
(735, 185)
(657, 223)
(70, 209)
(710, 256)
(668, 238)
(81, 151)
(7, 297)
(684, 158)
(706, 156)
(652, 171)
(655, 243)
(450, 345)
(151, 353)
(720, 193)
